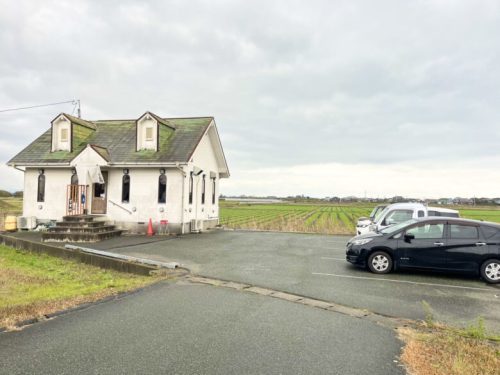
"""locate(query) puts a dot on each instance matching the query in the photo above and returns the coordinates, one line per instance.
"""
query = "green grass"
(35, 284)
(11, 204)
(315, 218)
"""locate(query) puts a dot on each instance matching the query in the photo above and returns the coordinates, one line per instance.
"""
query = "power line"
(76, 102)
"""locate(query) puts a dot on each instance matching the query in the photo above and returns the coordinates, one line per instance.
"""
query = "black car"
(448, 244)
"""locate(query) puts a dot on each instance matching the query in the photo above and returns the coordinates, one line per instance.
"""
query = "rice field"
(328, 219)
(310, 218)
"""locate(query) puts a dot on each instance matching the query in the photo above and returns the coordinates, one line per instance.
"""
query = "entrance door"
(99, 196)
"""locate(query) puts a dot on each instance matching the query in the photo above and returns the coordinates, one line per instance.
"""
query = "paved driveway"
(315, 266)
(199, 329)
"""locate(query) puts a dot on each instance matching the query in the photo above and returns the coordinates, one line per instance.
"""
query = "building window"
(64, 135)
(203, 190)
(41, 186)
(213, 190)
(191, 188)
(162, 189)
(74, 178)
(149, 134)
(126, 188)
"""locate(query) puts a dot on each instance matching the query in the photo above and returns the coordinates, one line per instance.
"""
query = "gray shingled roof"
(178, 139)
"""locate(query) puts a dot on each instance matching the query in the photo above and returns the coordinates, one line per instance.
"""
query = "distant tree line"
(396, 199)
(8, 194)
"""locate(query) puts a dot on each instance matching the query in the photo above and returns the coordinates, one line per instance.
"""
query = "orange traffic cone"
(150, 228)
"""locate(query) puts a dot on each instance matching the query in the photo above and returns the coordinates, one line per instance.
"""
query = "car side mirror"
(409, 237)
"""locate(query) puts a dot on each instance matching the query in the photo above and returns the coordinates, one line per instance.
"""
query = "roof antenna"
(76, 102)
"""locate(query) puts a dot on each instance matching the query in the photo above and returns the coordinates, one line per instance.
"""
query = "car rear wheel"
(490, 271)
(380, 262)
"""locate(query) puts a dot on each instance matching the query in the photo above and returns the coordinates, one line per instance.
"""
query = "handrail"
(123, 208)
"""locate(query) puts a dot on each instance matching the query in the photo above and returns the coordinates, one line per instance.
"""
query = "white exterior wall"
(204, 158)
(144, 196)
(54, 206)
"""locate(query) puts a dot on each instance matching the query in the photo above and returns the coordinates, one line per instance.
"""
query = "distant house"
(398, 199)
(459, 200)
(445, 201)
(126, 171)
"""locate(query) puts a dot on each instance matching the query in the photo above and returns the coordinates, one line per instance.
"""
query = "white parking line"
(403, 281)
(343, 259)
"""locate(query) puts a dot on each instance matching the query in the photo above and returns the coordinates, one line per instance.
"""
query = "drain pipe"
(183, 174)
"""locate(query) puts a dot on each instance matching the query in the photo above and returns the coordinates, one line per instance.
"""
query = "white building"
(126, 171)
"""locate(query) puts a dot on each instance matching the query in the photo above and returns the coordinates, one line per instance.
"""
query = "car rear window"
(489, 232)
(458, 231)
(449, 214)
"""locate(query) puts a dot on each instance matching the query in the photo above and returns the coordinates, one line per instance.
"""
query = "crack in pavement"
(384, 320)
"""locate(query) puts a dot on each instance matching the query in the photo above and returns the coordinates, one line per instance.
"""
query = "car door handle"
(480, 243)
(438, 243)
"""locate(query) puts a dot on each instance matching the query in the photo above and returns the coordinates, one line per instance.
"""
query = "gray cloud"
(289, 82)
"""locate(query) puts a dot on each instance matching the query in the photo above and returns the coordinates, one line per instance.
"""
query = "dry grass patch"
(445, 351)
(33, 285)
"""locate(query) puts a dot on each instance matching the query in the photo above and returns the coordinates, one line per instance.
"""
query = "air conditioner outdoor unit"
(195, 226)
(26, 222)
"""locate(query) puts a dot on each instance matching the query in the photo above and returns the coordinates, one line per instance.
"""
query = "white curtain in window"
(89, 174)
(96, 175)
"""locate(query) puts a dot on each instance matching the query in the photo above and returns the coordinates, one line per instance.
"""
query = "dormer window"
(147, 133)
(64, 135)
(61, 134)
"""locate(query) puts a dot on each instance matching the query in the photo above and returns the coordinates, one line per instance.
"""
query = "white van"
(365, 222)
(399, 212)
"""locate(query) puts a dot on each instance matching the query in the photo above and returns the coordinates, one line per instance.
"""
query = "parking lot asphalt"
(315, 266)
(185, 328)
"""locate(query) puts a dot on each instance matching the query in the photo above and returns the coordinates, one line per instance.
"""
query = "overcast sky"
(319, 98)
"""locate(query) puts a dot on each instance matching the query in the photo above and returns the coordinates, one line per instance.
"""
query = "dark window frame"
(40, 194)
(74, 179)
(203, 190)
(191, 188)
(162, 188)
(126, 188)
(213, 189)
